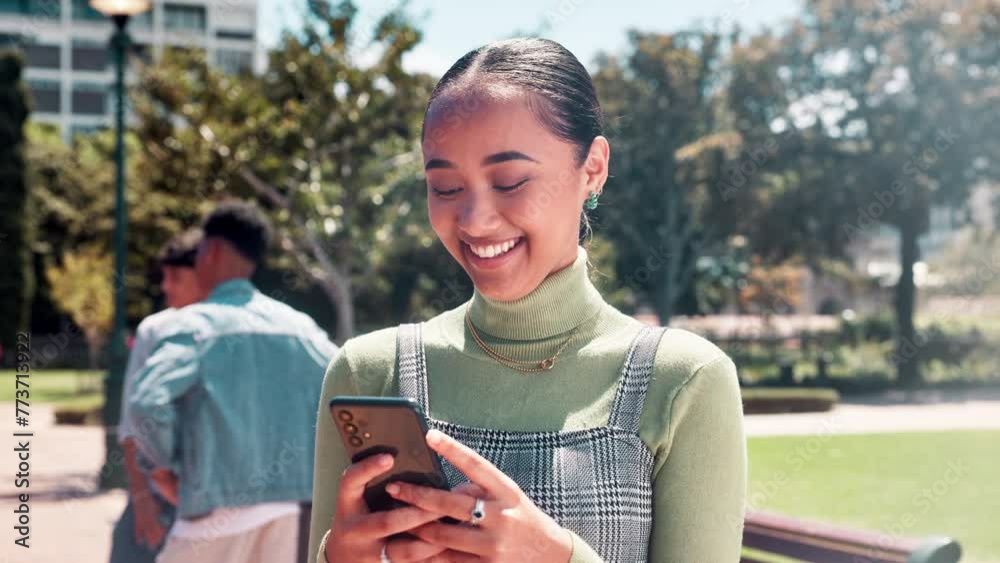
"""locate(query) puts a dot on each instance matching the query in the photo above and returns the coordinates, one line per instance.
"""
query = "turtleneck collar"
(563, 301)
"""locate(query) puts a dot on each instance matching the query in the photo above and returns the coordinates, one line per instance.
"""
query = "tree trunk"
(664, 299)
(906, 356)
(339, 293)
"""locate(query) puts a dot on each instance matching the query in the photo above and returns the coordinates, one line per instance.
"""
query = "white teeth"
(493, 250)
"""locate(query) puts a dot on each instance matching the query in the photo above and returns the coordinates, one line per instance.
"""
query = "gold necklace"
(537, 365)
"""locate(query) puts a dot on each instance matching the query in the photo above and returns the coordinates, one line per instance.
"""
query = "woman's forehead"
(476, 125)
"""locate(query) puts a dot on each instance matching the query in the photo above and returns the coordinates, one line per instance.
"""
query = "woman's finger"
(471, 490)
(351, 499)
(448, 503)
(449, 556)
(478, 469)
(380, 525)
(457, 539)
(406, 550)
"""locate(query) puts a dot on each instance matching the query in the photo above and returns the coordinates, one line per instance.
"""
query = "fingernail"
(433, 437)
(385, 460)
(392, 488)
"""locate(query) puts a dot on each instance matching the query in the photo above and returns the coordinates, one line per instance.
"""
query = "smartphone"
(393, 425)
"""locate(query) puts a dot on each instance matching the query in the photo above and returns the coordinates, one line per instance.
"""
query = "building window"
(89, 98)
(89, 56)
(143, 20)
(45, 96)
(38, 8)
(234, 62)
(180, 17)
(11, 41)
(83, 12)
(241, 35)
(42, 56)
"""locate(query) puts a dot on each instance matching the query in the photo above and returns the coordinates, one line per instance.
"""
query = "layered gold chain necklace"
(519, 365)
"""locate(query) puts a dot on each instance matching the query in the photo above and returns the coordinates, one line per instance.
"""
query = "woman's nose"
(478, 216)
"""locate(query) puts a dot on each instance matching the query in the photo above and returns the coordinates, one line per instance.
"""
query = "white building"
(70, 69)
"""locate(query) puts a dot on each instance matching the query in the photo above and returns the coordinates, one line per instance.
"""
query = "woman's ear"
(595, 167)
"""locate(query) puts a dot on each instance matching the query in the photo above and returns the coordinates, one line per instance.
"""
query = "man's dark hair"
(180, 250)
(242, 225)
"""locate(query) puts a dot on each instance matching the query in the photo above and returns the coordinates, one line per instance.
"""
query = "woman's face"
(504, 194)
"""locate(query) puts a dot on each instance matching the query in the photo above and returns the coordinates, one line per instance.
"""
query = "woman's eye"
(446, 193)
(511, 187)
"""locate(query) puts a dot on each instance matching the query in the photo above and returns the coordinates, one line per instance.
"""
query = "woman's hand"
(357, 534)
(513, 529)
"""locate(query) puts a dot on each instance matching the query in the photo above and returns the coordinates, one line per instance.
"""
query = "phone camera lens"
(346, 416)
(350, 428)
(354, 441)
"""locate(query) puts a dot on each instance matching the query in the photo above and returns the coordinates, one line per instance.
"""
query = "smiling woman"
(568, 431)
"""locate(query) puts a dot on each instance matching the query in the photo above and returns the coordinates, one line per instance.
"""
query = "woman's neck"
(563, 301)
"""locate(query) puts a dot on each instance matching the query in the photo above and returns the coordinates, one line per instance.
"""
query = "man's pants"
(282, 540)
(274, 542)
(124, 547)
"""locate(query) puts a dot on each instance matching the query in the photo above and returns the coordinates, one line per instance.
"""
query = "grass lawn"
(64, 388)
(909, 485)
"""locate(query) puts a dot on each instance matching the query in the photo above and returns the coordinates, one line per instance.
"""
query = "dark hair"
(242, 225)
(541, 67)
(180, 250)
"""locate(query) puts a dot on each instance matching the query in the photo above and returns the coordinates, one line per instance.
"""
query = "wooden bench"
(819, 542)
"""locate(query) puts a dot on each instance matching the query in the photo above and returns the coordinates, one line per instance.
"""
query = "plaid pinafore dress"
(596, 482)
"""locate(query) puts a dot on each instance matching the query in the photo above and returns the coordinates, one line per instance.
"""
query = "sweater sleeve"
(700, 488)
(331, 457)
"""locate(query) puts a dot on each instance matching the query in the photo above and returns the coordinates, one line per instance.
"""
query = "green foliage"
(327, 143)
(17, 276)
(669, 147)
(83, 286)
(881, 107)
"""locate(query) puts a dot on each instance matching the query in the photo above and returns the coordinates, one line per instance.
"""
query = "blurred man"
(231, 393)
(139, 533)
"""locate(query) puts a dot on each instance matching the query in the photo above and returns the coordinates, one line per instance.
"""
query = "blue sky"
(585, 27)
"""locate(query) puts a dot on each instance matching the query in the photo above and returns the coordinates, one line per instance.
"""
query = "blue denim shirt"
(227, 400)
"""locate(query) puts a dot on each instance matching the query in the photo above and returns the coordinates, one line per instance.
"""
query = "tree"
(82, 286)
(17, 277)
(889, 98)
(669, 152)
(327, 143)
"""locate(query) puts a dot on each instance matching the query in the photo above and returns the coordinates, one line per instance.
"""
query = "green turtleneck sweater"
(692, 420)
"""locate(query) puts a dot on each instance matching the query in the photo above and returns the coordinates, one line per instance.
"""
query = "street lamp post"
(113, 472)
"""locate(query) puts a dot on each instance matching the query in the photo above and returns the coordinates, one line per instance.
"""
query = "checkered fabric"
(596, 482)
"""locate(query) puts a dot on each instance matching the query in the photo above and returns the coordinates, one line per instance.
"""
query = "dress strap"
(411, 367)
(626, 410)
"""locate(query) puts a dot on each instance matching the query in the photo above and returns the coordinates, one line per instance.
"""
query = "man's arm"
(169, 373)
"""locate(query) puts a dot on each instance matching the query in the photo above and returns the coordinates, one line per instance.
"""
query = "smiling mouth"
(494, 250)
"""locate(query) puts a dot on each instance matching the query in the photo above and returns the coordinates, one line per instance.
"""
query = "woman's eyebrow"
(505, 156)
(491, 159)
(438, 163)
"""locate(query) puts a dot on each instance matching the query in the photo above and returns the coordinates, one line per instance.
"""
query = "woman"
(585, 435)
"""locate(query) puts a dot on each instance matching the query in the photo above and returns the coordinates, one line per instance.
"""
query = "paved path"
(72, 521)
(891, 412)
